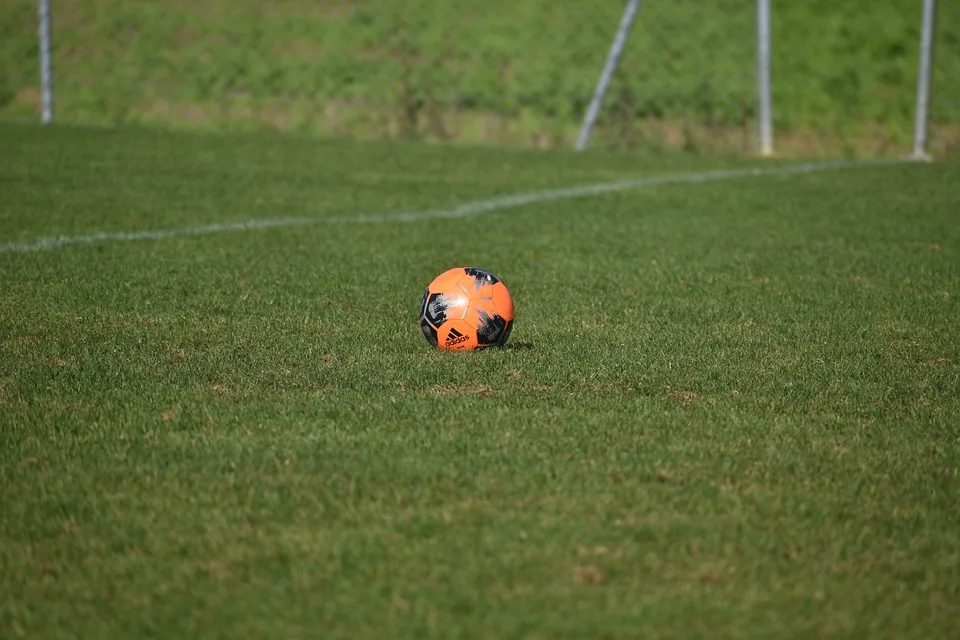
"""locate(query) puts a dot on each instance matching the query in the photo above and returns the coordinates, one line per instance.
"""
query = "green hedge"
(500, 70)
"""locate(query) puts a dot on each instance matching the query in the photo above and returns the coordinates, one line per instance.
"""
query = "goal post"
(613, 58)
(922, 111)
(764, 92)
(765, 74)
(45, 33)
(764, 97)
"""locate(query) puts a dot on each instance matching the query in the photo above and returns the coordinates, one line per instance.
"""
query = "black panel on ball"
(481, 274)
(435, 311)
(423, 303)
(428, 332)
(506, 332)
(492, 331)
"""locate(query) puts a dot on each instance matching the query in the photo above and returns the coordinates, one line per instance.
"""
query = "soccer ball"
(466, 308)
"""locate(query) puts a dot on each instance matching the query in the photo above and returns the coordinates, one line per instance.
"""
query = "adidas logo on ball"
(455, 337)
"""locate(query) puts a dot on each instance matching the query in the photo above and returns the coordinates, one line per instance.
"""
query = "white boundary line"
(460, 211)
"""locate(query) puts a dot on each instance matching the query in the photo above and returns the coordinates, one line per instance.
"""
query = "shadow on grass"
(519, 346)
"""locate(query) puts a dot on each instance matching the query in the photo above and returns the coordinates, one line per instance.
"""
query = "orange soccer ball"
(466, 308)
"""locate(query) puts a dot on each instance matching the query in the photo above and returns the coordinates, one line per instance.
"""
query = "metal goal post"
(764, 98)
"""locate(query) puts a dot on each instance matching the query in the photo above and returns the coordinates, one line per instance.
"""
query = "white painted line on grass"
(460, 211)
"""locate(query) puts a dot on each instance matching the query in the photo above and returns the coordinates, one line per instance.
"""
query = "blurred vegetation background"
(509, 72)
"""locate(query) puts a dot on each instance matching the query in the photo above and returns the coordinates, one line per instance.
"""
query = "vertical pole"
(613, 58)
(764, 98)
(46, 63)
(922, 113)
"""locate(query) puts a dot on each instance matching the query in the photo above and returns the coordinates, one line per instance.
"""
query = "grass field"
(730, 409)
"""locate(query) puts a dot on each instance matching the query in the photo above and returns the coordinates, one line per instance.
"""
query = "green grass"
(730, 409)
(516, 72)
